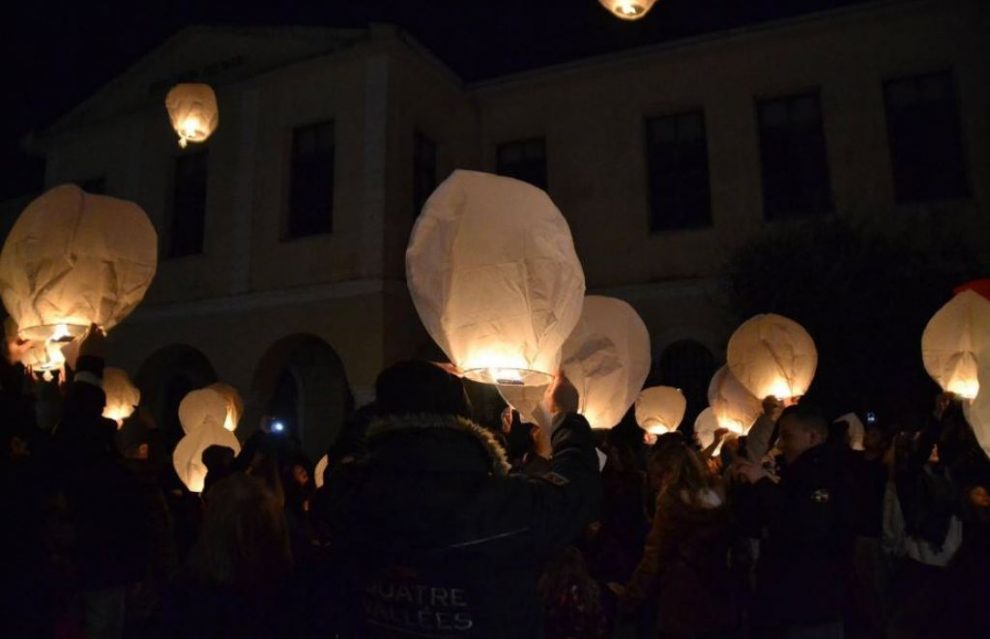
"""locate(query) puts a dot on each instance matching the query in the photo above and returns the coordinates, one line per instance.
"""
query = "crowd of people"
(430, 524)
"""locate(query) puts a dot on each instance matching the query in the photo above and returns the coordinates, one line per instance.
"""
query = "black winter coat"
(809, 521)
(437, 540)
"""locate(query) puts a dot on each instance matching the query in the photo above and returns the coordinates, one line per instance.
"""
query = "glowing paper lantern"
(977, 412)
(234, 405)
(660, 409)
(187, 458)
(528, 402)
(735, 408)
(772, 355)
(628, 9)
(74, 259)
(857, 432)
(321, 468)
(951, 341)
(122, 396)
(44, 358)
(192, 108)
(607, 358)
(704, 428)
(494, 277)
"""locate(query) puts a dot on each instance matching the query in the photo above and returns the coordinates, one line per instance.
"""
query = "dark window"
(795, 163)
(524, 160)
(677, 160)
(311, 190)
(188, 214)
(424, 169)
(96, 186)
(926, 148)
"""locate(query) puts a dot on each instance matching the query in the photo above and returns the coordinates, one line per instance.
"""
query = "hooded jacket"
(438, 540)
(686, 563)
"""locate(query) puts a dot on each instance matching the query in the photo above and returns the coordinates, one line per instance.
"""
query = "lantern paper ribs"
(660, 409)
(607, 358)
(772, 355)
(953, 339)
(74, 259)
(494, 278)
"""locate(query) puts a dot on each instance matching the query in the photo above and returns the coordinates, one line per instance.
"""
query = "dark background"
(55, 54)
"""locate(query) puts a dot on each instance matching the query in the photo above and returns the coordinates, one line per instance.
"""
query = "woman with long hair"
(685, 562)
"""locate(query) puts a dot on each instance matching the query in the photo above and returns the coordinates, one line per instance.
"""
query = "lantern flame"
(628, 9)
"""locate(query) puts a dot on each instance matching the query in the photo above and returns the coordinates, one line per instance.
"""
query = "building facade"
(282, 238)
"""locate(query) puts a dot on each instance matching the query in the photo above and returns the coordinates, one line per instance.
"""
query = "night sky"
(55, 54)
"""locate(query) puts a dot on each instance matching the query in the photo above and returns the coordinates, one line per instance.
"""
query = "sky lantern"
(628, 9)
(122, 395)
(494, 277)
(660, 409)
(234, 405)
(73, 259)
(977, 412)
(772, 355)
(735, 408)
(607, 358)
(187, 458)
(705, 426)
(218, 404)
(954, 336)
(192, 108)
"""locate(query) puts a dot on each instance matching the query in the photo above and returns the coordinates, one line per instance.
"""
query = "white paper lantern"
(528, 401)
(187, 458)
(735, 408)
(607, 358)
(977, 411)
(660, 409)
(951, 341)
(857, 431)
(74, 259)
(705, 426)
(494, 277)
(628, 9)
(192, 108)
(122, 395)
(772, 355)
(234, 405)
(321, 468)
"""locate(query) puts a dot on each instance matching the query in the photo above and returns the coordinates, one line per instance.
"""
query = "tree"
(865, 296)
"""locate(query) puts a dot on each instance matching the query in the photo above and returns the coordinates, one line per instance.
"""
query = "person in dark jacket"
(808, 521)
(685, 560)
(435, 537)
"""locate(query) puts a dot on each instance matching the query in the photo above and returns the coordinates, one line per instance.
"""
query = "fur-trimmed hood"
(383, 427)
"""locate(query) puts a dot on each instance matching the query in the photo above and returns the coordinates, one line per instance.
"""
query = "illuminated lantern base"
(628, 9)
(509, 376)
(53, 332)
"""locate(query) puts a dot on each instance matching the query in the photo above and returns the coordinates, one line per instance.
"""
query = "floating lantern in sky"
(494, 277)
(660, 409)
(187, 458)
(607, 358)
(628, 9)
(74, 259)
(977, 412)
(122, 395)
(952, 339)
(192, 108)
(735, 408)
(772, 355)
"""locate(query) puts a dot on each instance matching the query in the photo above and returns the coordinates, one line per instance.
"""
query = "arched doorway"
(300, 382)
(164, 379)
(689, 365)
